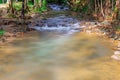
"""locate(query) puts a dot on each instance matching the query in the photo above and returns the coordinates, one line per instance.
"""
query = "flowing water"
(58, 7)
(58, 54)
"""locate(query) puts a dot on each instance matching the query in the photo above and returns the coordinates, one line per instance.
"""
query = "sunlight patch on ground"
(3, 5)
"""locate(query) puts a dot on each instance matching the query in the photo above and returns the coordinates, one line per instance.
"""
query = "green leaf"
(2, 32)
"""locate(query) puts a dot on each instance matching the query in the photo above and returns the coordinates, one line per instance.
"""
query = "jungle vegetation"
(105, 9)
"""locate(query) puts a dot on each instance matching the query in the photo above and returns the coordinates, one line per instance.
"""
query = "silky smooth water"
(54, 56)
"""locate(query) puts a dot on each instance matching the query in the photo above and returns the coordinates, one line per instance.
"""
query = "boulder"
(117, 52)
(118, 45)
(116, 57)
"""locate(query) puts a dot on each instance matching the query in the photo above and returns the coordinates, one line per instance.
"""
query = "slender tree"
(117, 6)
(10, 9)
(23, 9)
(37, 4)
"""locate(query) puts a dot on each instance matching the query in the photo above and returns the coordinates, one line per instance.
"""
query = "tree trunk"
(23, 10)
(95, 6)
(37, 4)
(26, 8)
(40, 2)
(102, 12)
(117, 9)
(10, 3)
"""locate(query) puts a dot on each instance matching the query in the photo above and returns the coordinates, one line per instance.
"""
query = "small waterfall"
(59, 24)
(58, 7)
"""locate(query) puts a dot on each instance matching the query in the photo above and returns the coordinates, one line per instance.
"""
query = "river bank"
(105, 30)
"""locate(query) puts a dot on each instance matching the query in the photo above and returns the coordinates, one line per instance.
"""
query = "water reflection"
(58, 57)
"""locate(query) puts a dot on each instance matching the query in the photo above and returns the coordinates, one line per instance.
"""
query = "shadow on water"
(54, 56)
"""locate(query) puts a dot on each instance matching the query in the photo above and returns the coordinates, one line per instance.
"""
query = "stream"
(58, 51)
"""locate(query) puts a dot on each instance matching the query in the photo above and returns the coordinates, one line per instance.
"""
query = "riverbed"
(54, 56)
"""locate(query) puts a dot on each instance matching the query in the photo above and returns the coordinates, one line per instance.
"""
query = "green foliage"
(64, 2)
(30, 4)
(37, 9)
(42, 8)
(17, 6)
(44, 5)
(0, 1)
(2, 32)
(118, 28)
(85, 9)
(98, 7)
(80, 6)
(115, 9)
